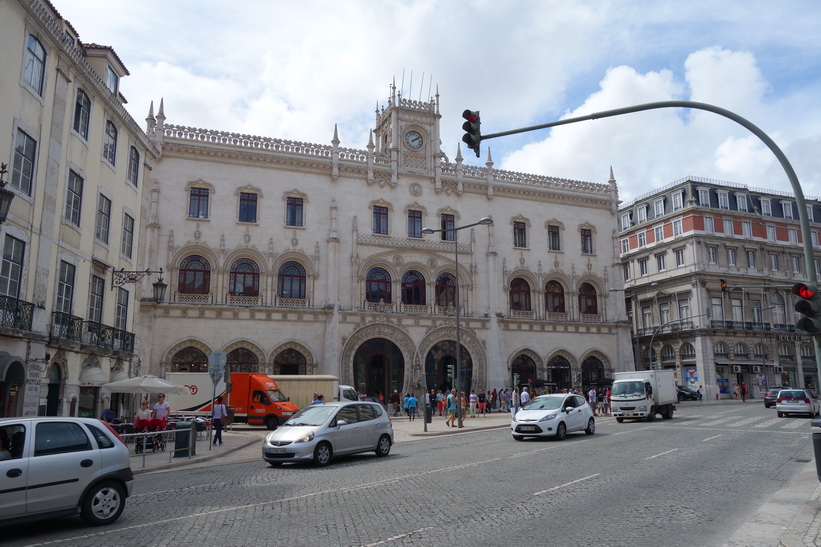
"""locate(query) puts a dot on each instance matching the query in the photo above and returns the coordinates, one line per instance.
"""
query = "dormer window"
(112, 81)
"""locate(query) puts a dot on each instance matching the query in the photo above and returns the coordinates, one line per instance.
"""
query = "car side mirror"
(568, 409)
(341, 422)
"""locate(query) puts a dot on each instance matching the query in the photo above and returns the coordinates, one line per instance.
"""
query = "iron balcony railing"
(16, 313)
(71, 328)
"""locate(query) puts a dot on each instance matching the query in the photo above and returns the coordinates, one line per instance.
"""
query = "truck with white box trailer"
(301, 388)
(643, 394)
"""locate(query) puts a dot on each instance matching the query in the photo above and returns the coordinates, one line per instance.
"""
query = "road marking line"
(711, 438)
(400, 536)
(662, 454)
(565, 484)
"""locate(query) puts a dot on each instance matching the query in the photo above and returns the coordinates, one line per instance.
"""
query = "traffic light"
(473, 131)
(723, 285)
(515, 379)
(808, 305)
(451, 371)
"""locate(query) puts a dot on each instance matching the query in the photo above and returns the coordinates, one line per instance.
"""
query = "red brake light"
(779, 400)
(805, 400)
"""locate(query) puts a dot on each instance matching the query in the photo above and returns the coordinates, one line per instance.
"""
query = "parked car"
(319, 432)
(553, 415)
(771, 395)
(62, 466)
(796, 401)
(685, 393)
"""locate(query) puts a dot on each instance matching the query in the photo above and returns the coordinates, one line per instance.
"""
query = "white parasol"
(145, 384)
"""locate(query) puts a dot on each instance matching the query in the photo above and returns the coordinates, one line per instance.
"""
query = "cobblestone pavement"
(791, 518)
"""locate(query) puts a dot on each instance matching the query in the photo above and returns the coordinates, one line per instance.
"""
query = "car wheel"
(680, 398)
(591, 426)
(652, 416)
(271, 422)
(561, 431)
(518, 438)
(766, 405)
(103, 504)
(322, 454)
(620, 420)
(780, 414)
(383, 447)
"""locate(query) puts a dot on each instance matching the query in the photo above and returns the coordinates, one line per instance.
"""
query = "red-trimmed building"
(677, 244)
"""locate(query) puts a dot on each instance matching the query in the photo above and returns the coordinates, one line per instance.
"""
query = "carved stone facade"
(344, 282)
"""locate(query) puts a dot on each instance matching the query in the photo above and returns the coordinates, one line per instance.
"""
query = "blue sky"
(292, 70)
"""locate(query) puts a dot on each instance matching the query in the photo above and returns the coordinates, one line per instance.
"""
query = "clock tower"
(407, 136)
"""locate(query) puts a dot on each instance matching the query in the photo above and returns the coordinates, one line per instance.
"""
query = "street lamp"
(121, 277)
(5, 195)
(455, 231)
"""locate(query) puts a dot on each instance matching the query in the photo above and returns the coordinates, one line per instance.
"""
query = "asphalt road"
(688, 481)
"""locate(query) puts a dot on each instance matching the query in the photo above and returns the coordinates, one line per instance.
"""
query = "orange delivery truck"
(255, 398)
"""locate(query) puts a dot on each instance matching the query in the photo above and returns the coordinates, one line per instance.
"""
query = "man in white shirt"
(524, 397)
(591, 398)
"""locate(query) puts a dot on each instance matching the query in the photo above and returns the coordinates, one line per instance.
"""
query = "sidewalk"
(790, 518)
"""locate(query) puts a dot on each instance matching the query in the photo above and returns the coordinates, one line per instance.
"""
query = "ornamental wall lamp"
(5, 195)
(122, 277)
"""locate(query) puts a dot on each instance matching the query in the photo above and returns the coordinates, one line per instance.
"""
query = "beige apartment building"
(677, 244)
(76, 164)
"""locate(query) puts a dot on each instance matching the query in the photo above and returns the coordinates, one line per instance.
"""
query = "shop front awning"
(93, 376)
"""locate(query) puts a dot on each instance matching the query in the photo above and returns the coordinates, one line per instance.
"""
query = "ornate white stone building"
(299, 258)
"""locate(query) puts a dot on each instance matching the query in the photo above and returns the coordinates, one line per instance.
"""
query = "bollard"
(716, 396)
(816, 447)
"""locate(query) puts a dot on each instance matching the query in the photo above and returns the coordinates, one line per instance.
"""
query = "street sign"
(216, 365)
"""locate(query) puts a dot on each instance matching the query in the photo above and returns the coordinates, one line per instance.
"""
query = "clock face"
(414, 140)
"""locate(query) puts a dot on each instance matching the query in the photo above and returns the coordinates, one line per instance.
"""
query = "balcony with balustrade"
(16, 314)
(70, 330)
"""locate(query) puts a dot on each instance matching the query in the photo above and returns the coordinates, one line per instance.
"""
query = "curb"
(196, 459)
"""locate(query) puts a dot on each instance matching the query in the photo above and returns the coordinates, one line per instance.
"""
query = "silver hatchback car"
(319, 432)
(56, 467)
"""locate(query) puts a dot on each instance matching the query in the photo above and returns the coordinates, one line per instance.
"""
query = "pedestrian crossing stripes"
(771, 422)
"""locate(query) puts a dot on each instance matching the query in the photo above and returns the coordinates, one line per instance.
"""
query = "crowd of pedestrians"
(475, 404)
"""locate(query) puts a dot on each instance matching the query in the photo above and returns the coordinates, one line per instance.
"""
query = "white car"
(319, 432)
(553, 415)
(796, 401)
(56, 467)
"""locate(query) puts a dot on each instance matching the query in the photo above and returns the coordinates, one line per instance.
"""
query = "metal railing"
(157, 443)
(16, 313)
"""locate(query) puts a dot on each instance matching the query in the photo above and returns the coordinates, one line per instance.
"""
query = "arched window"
(413, 288)
(668, 353)
(740, 350)
(195, 275)
(243, 360)
(291, 282)
(554, 297)
(785, 351)
(189, 359)
(378, 286)
(446, 290)
(760, 350)
(807, 352)
(244, 278)
(720, 350)
(588, 302)
(520, 295)
(34, 65)
(688, 352)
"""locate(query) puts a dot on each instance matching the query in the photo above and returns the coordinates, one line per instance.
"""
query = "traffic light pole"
(809, 258)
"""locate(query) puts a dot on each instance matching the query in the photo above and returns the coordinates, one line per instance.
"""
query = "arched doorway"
(440, 366)
(55, 379)
(12, 380)
(525, 368)
(378, 367)
(290, 361)
(592, 371)
(558, 371)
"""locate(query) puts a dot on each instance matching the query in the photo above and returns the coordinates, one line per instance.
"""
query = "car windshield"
(277, 396)
(311, 415)
(623, 389)
(544, 403)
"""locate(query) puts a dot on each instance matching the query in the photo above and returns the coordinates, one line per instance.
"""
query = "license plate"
(275, 451)
(528, 428)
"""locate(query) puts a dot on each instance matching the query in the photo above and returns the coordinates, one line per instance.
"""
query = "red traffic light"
(803, 290)
(470, 116)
